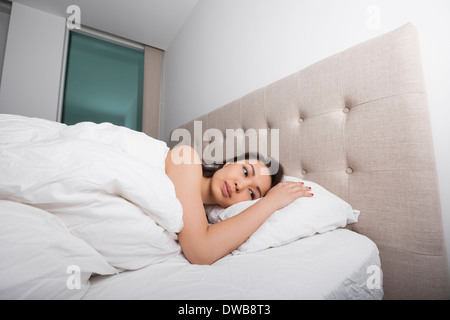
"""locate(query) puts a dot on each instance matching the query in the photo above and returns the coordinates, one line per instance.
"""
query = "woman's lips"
(226, 190)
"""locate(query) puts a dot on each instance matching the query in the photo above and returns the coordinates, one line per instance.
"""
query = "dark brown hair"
(210, 169)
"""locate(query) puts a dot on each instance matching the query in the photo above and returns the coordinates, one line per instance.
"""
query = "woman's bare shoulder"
(183, 156)
(182, 163)
(184, 168)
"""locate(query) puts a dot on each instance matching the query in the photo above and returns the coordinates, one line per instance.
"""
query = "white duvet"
(100, 191)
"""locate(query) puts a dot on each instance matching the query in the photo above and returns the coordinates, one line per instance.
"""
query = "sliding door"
(104, 83)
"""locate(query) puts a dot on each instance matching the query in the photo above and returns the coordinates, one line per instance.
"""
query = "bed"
(355, 125)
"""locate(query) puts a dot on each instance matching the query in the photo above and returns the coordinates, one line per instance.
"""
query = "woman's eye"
(252, 195)
(245, 172)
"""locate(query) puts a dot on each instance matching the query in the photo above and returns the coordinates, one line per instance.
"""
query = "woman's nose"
(240, 185)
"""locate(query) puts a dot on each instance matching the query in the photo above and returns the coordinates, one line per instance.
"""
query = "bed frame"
(358, 124)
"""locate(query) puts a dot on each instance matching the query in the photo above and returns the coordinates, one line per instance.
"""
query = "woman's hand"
(285, 193)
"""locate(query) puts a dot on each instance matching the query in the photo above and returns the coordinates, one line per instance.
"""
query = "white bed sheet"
(335, 265)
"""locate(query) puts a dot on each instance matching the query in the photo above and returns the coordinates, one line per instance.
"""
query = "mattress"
(339, 264)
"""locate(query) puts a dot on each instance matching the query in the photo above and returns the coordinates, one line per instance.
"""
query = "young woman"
(234, 182)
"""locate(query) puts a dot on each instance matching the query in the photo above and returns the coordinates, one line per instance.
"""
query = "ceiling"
(151, 22)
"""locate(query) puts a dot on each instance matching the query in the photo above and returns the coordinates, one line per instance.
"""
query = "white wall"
(228, 48)
(33, 63)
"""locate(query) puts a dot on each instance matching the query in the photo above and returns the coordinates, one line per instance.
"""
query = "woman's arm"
(204, 244)
(229, 234)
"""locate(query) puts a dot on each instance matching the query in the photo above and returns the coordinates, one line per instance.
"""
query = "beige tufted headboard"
(357, 123)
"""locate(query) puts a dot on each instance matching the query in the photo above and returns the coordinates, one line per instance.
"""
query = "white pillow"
(302, 218)
(40, 259)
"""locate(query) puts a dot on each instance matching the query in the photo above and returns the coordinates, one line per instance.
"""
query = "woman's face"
(240, 181)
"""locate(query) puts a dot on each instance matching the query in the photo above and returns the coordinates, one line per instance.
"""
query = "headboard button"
(349, 170)
(304, 172)
(346, 110)
(300, 120)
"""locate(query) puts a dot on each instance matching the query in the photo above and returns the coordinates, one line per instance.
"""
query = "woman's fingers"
(306, 190)
(300, 188)
(286, 192)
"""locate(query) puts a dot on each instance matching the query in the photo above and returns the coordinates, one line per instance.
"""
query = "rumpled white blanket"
(106, 184)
